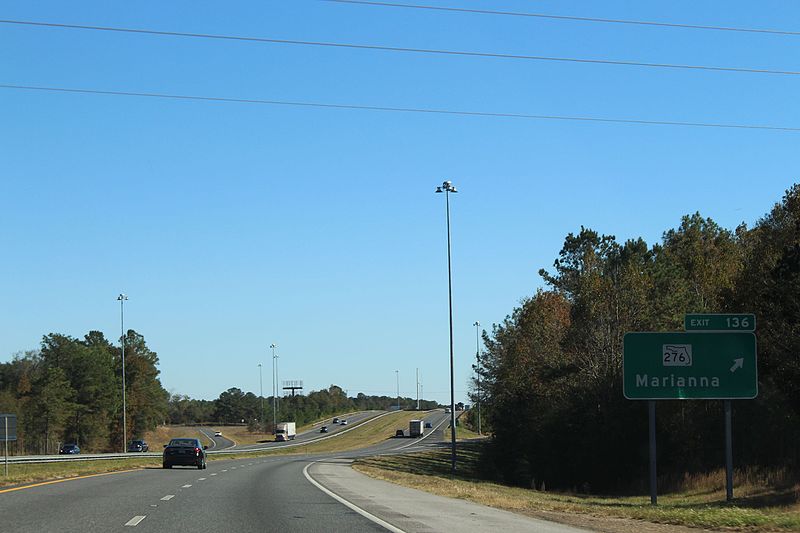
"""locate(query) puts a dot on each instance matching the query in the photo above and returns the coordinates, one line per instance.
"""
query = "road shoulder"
(413, 510)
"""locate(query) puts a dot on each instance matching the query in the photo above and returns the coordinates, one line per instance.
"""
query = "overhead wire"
(461, 53)
(430, 111)
(566, 17)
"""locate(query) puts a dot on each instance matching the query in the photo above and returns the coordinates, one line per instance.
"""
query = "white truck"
(285, 431)
(415, 428)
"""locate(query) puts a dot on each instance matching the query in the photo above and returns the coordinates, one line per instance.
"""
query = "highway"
(244, 495)
(258, 494)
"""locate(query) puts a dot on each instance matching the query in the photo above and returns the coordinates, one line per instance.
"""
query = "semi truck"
(415, 428)
(285, 431)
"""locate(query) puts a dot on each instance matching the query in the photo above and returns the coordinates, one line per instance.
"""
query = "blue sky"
(233, 226)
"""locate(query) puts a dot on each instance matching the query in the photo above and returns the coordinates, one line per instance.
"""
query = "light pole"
(261, 387)
(418, 389)
(274, 386)
(397, 375)
(478, 359)
(447, 188)
(121, 298)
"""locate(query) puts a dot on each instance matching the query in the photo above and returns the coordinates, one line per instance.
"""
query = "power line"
(430, 111)
(566, 17)
(461, 53)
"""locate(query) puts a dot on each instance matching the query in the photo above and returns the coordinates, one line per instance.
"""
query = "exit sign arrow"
(737, 363)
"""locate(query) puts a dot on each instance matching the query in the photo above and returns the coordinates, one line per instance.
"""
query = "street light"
(274, 386)
(261, 387)
(478, 359)
(397, 375)
(121, 298)
(447, 188)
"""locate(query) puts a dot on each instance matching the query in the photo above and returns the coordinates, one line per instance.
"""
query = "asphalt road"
(258, 494)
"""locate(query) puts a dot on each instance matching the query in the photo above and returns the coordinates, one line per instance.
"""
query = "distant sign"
(8, 427)
(692, 365)
(719, 322)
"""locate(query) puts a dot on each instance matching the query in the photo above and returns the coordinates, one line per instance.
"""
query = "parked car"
(399, 433)
(323, 429)
(186, 452)
(69, 449)
(138, 446)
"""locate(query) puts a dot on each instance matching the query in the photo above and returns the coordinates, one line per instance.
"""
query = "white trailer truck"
(285, 431)
(415, 428)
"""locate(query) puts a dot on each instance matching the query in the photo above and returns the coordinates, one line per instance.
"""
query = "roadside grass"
(28, 473)
(243, 436)
(758, 506)
(362, 435)
(157, 438)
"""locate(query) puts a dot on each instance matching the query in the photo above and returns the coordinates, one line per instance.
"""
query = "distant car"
(138, 446)
(446, 409)
(335, 420)
(69, 449)
(343, 422)
(323, 429)
(186, 452)
(217, 433)
(428, 425)
(399, 433)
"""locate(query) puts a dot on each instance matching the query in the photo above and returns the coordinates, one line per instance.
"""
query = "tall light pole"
(478, 359)
(397, 375)
(121, 298)
(418, 389)
(447, 188)
(261, 387)
(274, 386)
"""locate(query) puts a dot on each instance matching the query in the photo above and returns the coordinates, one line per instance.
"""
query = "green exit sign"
(719, 322)
(691, 365)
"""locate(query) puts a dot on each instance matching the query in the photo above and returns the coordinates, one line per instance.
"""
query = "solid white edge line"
(135, 520)
(346, 503)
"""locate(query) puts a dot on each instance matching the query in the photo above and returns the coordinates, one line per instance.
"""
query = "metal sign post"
(8, 431)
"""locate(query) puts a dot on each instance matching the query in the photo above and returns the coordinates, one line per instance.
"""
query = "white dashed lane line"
(186, 486)
(135, 520)
(167, 497)
(213, 474)
(201, 479)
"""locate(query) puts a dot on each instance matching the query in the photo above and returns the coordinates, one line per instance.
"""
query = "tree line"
(551, 373)
(70, 390)
(235, 406)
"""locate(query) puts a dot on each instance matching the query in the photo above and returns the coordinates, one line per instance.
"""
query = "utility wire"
(404, 49)
(565, 17)
(430, 111)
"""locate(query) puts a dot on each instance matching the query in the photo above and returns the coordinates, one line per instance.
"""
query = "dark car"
(335, 420)
(186, 452)
(69, 449)
(323, 429)
(399, 433)
(428, 425)
(138, 446)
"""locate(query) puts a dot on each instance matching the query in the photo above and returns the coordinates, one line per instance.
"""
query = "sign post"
(8, 431)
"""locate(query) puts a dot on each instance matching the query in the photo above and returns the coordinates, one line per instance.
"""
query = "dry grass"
(29, 473)
(163, 434)
(757, 507)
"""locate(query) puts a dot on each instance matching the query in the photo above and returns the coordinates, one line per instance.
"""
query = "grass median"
(757, 506)
(361, 435)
